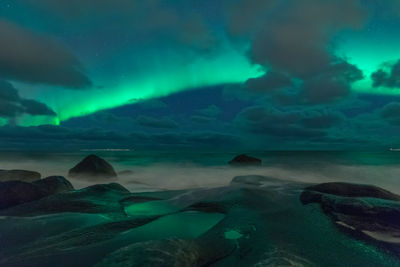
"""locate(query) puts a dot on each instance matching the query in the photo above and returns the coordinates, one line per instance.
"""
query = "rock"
(208, 207)
(352, 190)
(163, 253)
(167, 252)
(102, 199)
(20, 175)
(243, 160)
(14, 193)
(54, 185)
(364, 211)
(137, 199)
(93, 166)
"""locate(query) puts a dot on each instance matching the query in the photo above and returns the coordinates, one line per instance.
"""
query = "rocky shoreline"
(254, 220)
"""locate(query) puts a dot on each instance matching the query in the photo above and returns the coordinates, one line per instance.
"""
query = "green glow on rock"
(190, 224)
(233, 235)
(150, 208)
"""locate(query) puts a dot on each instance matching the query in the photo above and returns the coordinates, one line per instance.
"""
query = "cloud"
(295, 38)
(391, 113)
(156, 122)
(389, 76)
(12, 105)
(321, 120)
(210, 111)
(29, 57)
(202, 119)
(270, 81)
(299, 125)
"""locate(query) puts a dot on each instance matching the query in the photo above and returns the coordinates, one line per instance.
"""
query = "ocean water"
(159, 170)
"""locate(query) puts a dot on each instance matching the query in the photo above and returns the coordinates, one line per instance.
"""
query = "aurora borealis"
(281, 73)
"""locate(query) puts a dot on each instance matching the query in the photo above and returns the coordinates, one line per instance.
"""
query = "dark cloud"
(295, 124)
(157, 122)
(298, 40)
(194, 139)
(391, 113)
(388, 76)
(202, 119)
(331, 84)
(55, 137)
(321, 120)
(295, 38)
(210, 111)
(29, 57)
(269, 82)
(12, 105)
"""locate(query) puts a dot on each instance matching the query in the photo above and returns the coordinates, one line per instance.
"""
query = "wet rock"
(366, 212)
(171, 252)
(168, 252)
(54, 185)
(352, 190)
(100, 198)
(20, 175)
(138, 199)
(244, 160)
(208, 207)
(14, 193)
(93, 166)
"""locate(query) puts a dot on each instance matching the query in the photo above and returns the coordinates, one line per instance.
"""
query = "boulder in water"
(244, 160)
(19, 175)
(93, 166)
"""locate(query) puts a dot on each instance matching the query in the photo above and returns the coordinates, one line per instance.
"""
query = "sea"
(167, 170)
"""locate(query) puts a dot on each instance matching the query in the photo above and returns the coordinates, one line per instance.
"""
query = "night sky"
(200, 74)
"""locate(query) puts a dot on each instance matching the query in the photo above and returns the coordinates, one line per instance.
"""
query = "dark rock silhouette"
(244, 160)
(364, 211)
(20, 175)
(13, 193)
(93, 166)
(54, 184)
(348, 190)
(100, 198)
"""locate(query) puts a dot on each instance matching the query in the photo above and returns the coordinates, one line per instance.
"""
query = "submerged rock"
(20, 175)
(93, 166)
(54, 185)
(245, 160)
(13, 193)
